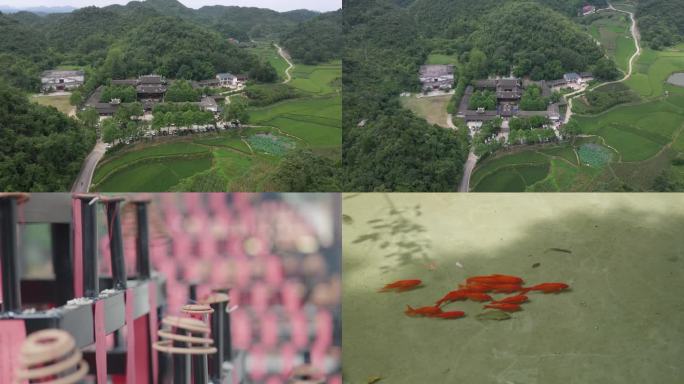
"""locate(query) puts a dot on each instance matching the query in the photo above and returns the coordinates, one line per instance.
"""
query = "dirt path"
(635, 35)
(286, 57)
(85, 177)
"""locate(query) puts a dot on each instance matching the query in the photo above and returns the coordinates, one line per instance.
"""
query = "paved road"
(85, 177)
(467, 172)
(285, 56)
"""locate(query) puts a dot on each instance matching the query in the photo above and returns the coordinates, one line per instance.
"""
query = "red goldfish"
(506, 288)
(506, 307)
(547, 288)
(423, 311)
(495, 279)
(476, 287)
(401, 285)
(463, 294)
(450, 315)
(517, 299)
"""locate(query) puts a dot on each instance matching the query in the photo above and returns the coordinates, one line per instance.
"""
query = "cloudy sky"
(278, 5)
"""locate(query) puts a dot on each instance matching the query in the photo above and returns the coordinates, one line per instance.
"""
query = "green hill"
(317, 40)
(661, 22)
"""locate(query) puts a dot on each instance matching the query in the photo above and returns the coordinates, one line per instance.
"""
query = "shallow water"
(622, 322)
(676, 79)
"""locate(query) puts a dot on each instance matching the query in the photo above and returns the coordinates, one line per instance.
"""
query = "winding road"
(636, 37)
(85, 177)
(286, 57)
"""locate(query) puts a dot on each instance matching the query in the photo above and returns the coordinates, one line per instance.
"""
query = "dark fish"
(560, 250)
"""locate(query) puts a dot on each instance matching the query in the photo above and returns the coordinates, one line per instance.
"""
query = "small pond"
(676, 79)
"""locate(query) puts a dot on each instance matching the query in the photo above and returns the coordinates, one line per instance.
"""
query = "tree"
(236, 110)
(571, 129)
(182, 91)
(110, 131)
(606, 70)
(477, 64)
(89, 117)
(76, 97)
(304, 171)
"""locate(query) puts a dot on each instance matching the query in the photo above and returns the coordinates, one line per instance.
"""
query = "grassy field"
(322, 79)
(432, 109)
(60, 102)
(643, 138)
(440, 58)
(315, 121)
(613, 32)
(266, 51)
(236, 161)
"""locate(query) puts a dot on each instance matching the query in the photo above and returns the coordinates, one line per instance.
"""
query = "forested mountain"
(385, 147)
(661, 22)
(42, 149)
(176, 49)
(316, 40)
(160, 36)
(440, 17)
(530, 39)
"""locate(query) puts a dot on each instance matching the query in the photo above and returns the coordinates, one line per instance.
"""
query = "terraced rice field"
(643, 138)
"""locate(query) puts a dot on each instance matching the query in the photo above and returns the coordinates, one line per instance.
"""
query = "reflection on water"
(676, 79)
(621, 255)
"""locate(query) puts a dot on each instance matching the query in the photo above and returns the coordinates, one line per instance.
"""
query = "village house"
(57, 80)
(437, 77)
(208, 104)
(588, 10)
(151, 88)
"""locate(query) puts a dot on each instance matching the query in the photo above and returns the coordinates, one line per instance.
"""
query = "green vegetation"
(42, 148)
(527, 123)
(125, 93)
(182, 91)
(267, 53)
(594, 155)
(262, 94)
(271, 144)
(604, 98)
(318, 40)
(433, 109)
(485, 141)
(385, 147)
(483, 99)
(180, 115)
(661, 22)
(62, 102)
(532, 99)
(322, 79)
(612, 30)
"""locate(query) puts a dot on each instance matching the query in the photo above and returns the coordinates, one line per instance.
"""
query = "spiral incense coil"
(195, 345)
(197, 309)
(51, 357)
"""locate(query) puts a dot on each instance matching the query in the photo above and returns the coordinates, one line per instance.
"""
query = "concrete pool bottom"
(622, 322)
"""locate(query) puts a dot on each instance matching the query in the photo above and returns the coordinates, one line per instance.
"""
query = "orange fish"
(517, 299)
(476, 287)
(547, 287)
(452, 296)
(507, 307)
(450, 315)
(463, 294)
(495, 279)
(401, 285)
(423, 311)
(507, 288)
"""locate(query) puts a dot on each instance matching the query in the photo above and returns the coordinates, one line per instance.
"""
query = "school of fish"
(476, 288)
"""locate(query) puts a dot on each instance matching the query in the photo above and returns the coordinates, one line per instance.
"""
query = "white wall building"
(61, 80)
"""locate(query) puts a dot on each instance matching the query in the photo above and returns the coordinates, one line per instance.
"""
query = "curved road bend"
(635, 35)
(282, 54)
(85, 177)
